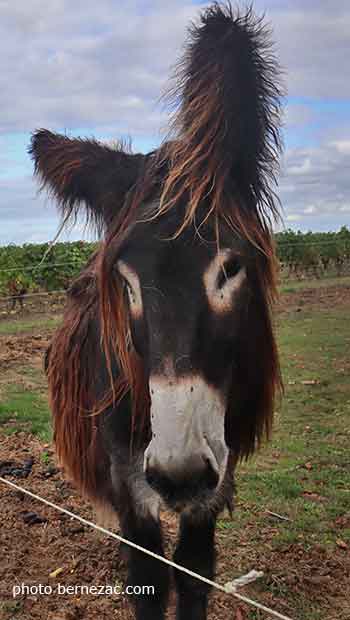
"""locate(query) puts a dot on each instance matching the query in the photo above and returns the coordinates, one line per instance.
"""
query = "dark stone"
(32, 518)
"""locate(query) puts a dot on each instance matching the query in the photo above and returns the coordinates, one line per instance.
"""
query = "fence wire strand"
(227, 588)
(18, 296)
(40, 266)
(280, 245)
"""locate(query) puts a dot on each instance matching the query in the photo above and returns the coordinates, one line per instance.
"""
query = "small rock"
(11, 468)
(50, 471)
(32, 518)
(77, 529)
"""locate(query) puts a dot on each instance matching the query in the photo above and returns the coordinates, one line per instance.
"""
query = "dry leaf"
(55, 573)
(341, 543)
(313, 496)
(343, 521)
(310, 382)
(240, 614)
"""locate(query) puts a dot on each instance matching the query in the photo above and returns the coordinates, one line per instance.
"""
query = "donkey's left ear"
(84, 173)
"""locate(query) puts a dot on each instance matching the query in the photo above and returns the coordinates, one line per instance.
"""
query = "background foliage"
(301, 255)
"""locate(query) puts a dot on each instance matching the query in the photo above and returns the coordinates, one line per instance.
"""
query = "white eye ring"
(132, 285)
(221, 293)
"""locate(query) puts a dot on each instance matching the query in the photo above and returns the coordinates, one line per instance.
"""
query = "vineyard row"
(309, 254)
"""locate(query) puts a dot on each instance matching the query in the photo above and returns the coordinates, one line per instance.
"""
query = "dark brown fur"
(77, 171)
(204, 168)
(213, 176)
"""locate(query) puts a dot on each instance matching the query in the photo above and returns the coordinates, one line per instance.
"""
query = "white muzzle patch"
(187, 418)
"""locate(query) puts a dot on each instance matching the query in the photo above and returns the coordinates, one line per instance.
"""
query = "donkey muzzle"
(186, 458)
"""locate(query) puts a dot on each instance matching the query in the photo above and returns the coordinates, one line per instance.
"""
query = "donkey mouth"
(178, 491)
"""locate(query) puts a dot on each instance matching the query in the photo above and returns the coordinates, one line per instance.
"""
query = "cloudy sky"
(97, 69)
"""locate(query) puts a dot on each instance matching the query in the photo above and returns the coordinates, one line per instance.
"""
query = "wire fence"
(16, 296)
(78, 263)
(229, 588)
(38, 266)
(287, 251)
(44, 266)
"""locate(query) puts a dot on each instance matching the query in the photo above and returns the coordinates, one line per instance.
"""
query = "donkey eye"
(229, 270)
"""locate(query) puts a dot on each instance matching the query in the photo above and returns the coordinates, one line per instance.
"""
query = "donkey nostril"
(150, 477)
(160, 482)
(184, 483)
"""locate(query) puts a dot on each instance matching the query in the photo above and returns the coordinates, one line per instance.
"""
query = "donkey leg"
(195, 550)
(144, 529)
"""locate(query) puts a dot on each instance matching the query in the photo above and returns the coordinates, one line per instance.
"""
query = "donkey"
(165, 369)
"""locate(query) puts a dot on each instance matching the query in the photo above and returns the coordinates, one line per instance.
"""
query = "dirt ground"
(31, 550)
(315, 298)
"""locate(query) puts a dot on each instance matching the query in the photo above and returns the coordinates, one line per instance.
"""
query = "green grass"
(291, 286)
(23, 403)
(45, 457)
(19, 326)
(23, 409)
(12, 607)
(302, 474)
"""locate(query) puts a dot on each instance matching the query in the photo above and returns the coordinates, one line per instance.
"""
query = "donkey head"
(186, 272)
(187, 302)
(198, 316)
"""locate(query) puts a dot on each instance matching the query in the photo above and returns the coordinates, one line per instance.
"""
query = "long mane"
(220, 164)
(78, 397)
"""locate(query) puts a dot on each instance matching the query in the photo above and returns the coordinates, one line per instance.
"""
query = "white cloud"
(102, 66)
(30, 217)
(75, 64)
(316, 182)
(310, 210)
(313, 42)
(68, 64)
(293, 217)
(343, 146)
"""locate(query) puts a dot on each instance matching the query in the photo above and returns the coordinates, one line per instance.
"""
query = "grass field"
(309, 452)
(303, 474)
(298, 285)
(18, 326)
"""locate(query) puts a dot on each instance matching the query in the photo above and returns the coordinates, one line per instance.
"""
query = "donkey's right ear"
(84, 175)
